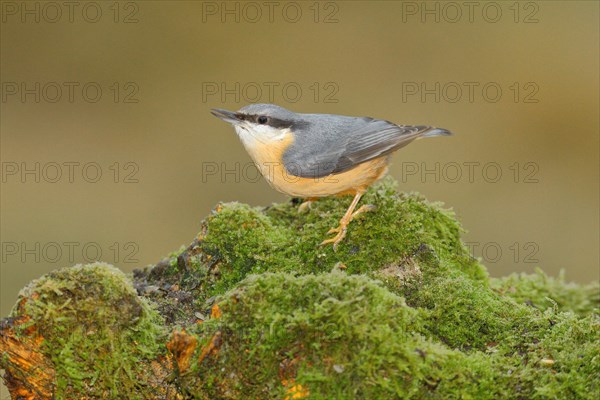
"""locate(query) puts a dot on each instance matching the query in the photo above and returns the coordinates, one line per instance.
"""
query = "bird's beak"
(226, 116)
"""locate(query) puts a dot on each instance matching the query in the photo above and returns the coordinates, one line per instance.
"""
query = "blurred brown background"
(516, 82)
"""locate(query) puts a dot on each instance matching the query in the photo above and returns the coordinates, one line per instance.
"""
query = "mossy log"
(255, 308)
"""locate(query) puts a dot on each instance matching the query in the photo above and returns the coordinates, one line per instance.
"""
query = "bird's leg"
(363, 209)
(306, 205)
(348, 216)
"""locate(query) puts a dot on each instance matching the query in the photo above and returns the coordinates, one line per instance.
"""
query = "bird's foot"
(341, 234)
(363, 209)
(334, 230)
(305, 206)
(343, 227)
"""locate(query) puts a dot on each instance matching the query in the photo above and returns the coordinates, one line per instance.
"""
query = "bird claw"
(305, 206)
(346, 219)
(341, 234)
(363, 209)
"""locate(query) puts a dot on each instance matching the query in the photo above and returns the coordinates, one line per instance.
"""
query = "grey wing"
(376, 139)
(364, 140)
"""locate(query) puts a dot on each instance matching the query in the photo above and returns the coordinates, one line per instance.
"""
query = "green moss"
(400, 310)
(96, 330)
(344, 336)
(542, 291)
(243, 240)
(338, 336)
(471, 316)
(400, 226)
(238, 240)
(573, 346)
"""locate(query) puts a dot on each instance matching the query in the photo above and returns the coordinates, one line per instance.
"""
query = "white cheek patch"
(282, 133)
(268, 132)
(265, 134)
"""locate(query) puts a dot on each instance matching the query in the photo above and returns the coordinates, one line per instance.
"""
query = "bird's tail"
(431, 131)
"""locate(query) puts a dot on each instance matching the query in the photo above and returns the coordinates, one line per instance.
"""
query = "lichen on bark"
(255, 308)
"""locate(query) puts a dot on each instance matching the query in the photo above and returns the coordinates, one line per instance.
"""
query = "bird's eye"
(262, 120)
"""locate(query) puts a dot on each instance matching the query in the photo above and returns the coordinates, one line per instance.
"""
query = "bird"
(311, 156)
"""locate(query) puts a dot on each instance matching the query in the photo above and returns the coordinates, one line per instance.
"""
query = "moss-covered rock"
(336, 335)
(542, 291)
(237, 240)
(255, 308)
(331, 335)
(98, 334)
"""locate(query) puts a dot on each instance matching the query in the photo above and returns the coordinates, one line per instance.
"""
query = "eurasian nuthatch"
(318, 155)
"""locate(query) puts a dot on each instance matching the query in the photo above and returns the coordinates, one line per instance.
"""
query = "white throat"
(253, 135)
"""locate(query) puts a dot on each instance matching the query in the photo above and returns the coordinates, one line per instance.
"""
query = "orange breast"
(269, 160)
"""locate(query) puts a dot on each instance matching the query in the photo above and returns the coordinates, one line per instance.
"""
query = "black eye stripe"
(279, 123)
(274, 122)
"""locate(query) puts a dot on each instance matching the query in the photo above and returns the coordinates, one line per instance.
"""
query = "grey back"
(326, 144)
